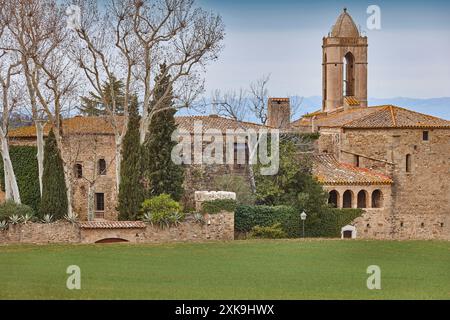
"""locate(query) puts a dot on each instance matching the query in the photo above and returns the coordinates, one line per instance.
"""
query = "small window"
(102, 167)
(425, 136)
(99, 202)
(422, 224)
(78, 170)
(401, 224)
(408, 163)
(357, 161)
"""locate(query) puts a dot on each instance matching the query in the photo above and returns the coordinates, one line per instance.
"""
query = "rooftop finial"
(345, 10)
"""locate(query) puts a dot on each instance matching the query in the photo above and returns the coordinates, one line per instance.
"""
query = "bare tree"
(41, 38)
(10, 98)
(259, 97)
(132, 38)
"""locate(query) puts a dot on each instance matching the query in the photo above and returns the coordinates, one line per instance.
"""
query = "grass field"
(319, 269)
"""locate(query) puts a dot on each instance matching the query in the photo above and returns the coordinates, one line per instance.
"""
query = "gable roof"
(379, 117)
(329, 171)
(396, 117)
(101, 125)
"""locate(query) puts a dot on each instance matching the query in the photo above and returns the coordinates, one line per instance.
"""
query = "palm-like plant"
(15, 219)
(3, 225)
(72, 217)
(47, 218)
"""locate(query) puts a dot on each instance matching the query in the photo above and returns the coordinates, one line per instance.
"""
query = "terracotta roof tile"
(396, 117)
(329, 171)
(112, 225)
(101, 125)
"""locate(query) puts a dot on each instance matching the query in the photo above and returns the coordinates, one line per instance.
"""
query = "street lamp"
(303, 217)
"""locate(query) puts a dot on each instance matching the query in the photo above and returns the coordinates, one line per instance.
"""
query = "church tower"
(344, 78)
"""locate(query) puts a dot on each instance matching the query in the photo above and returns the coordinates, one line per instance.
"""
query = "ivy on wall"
(25, 167)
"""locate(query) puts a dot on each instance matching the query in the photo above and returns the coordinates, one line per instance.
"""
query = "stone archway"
(348, 232)
(377, 199)
(111, 240)
(347, 199)
(362, 199)
(333, 198)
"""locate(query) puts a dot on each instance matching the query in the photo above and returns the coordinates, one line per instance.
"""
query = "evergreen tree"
(54, 196)
(93, 104)
(130, 189)
(160, 174)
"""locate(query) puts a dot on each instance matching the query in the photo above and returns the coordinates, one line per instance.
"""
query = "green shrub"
(10, 208)
(326, 224)
(162, 210)
(25, 166)
(273, 232)
(247, 217)
(215, 206)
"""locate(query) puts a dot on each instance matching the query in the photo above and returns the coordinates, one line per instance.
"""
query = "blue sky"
(409, 56)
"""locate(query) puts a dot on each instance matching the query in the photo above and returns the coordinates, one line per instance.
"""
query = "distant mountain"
(438, 107)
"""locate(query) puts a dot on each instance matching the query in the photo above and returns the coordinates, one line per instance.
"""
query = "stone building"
(392, 162)
(89, 148)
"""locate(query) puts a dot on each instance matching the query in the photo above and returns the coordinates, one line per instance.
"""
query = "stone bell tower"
(344, 78)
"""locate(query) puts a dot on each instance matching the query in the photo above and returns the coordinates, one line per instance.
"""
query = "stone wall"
(58, 232)
(218, 226)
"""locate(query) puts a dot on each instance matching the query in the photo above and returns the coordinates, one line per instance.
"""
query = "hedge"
(247, 217)
(25, 167)
(327, 225)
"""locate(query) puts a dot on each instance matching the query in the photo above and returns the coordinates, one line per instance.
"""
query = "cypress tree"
(130, 189)
(54, 195)
(160, 174)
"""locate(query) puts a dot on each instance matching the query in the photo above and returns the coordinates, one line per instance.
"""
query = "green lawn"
(285, 269)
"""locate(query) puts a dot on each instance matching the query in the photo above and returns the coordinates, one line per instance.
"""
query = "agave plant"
(71, 217)
(148, 217)
(3, 225)
(27, 218)
(15, 219)
(199, 218)
(47, 218)
(177, 218)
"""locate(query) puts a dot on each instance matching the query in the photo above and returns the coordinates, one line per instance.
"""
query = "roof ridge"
(361, 118)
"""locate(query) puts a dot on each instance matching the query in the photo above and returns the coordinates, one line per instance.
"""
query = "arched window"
(377, 199)
(333, 198)
(348, 75)
(78, 170)
(408, 163)
(362, 199)
(347, 199)
(101, 167)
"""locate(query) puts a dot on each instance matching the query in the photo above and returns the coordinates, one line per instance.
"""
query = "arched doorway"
(362, 199)
(377, 199)
(347, 199)
(333, 199)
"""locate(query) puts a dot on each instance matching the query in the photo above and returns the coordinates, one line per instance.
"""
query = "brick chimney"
(278, 112)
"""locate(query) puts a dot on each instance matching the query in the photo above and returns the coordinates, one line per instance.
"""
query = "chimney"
(278, 112)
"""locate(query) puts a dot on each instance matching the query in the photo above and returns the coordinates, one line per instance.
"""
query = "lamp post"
(303, 217)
